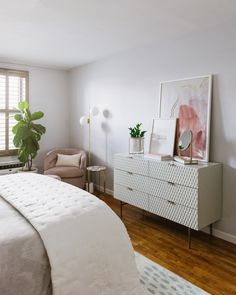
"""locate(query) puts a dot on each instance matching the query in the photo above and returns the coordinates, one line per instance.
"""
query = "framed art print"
(162, 139)
(189, 100)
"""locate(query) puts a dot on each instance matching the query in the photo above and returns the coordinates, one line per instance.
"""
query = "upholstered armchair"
(70, 174)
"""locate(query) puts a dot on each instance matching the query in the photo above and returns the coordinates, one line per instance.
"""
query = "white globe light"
(83, 120)
(94, 111)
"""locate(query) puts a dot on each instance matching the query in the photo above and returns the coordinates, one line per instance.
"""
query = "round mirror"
(185, 140)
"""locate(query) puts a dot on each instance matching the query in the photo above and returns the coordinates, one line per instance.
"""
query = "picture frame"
(162, 139)
(189, 101)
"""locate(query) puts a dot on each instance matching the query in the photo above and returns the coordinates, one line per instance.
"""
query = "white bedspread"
(88, 247)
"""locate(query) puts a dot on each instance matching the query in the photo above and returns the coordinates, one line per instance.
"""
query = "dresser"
(190, 195)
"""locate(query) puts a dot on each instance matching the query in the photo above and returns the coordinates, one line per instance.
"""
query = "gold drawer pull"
(170, 182)
(171, 202)
(130, 173)
(129, 188)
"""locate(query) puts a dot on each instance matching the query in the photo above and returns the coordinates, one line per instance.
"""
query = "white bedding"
(88, 247)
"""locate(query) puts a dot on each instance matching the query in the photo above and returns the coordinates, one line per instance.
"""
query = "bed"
(58, 239)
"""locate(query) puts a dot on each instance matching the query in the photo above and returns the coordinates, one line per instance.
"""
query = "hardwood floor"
(210, 263)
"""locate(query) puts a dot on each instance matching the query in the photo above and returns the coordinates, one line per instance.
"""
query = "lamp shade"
(83, 120)
(94, 111)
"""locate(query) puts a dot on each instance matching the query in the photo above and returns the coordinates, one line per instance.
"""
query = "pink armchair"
(73, 175)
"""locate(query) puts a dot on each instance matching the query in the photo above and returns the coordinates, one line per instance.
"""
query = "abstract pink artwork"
(189, 100)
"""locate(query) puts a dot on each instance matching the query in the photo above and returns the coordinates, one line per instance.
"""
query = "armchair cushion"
(51, 157)
(65, 172)
(68, 160)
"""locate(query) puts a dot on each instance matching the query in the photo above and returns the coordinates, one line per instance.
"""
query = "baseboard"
(216, 232)
(100, 188)
(225, 236)
(221, 234)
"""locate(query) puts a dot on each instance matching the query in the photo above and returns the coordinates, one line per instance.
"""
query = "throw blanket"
(88, 247)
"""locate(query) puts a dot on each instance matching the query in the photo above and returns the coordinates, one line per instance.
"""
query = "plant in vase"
(136, 142)
(27, 134)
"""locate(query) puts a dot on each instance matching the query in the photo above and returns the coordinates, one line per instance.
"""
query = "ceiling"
(68, 33)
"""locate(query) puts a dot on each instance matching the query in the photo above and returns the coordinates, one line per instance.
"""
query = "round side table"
(99, 170)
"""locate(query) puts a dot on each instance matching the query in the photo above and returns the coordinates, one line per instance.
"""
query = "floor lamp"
(87, 120)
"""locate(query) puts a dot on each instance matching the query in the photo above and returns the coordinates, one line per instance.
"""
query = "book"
(185, 160)
(159, 157)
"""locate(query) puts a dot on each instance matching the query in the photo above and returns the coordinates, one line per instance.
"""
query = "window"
(13, 89)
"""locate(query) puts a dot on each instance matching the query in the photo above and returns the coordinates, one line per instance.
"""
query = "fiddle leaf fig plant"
(27, 134)
(136, 131)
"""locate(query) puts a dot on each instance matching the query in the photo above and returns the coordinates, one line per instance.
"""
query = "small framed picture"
(162, 141)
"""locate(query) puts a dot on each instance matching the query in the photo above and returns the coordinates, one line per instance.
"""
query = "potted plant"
(136, 142)
(27, 134)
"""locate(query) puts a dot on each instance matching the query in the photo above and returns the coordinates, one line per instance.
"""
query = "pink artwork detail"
(189, 101)
(189, 120)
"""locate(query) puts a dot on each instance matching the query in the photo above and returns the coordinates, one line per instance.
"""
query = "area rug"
(159, 281)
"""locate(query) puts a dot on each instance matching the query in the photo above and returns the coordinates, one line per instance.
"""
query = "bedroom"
(69, 57)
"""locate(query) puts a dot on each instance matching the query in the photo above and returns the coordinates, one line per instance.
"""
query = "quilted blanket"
(87, 245)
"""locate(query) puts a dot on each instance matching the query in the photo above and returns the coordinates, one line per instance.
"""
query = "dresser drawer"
(131, 196)
(132, 180)
(183, 195)
(172, 211)
(131, 164)
(177, 173)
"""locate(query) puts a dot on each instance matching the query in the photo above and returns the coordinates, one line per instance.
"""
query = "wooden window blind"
(13, 89)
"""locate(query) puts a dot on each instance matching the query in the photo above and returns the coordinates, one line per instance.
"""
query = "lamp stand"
(89, 153)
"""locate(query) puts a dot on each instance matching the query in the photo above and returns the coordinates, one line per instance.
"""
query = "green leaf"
(37, 116)
(23, 132)
(136, 131)
(23, 105)
(17, 141)
(18, 125)
(142, 133)
(38, 128)
(23, 155)
(18, 117)
(28, 115)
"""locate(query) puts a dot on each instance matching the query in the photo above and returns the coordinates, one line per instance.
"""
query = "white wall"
(48, 92)
(127, 85)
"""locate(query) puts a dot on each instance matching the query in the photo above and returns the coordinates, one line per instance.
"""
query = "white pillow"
(68, 160)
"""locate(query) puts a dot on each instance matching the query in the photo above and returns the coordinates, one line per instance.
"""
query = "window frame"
(6, 110)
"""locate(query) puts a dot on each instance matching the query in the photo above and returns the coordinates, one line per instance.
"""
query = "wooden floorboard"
(210, 263)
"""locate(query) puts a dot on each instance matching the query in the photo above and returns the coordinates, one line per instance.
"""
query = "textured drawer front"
(182, 195)
(131, 164)
(176, 173)
(131, 197)
(134, 181)
(177, 213)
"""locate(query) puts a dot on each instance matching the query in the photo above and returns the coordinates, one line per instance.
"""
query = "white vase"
(136, 145)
